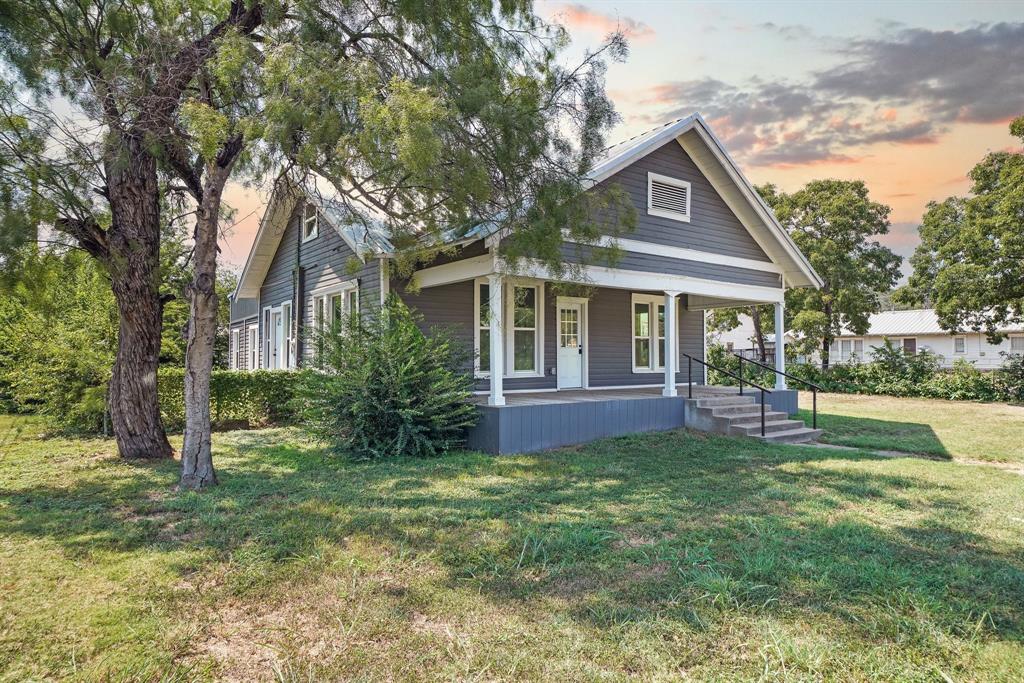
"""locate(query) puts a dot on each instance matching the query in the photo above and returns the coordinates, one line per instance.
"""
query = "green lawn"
(653, 557)
(958, 429)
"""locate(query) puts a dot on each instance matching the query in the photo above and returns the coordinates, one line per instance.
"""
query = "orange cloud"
(888, 115)
(581, 17)
(832, 160)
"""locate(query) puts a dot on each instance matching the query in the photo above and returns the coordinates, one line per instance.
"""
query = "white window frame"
(858, 353)
(345, 290)
(508, 329)
(675, 182)
(267, 338)
(289, 333)
(1013, 337)
(310, 219)
(903, 347)
(252, 348)
(289, 361)
(478, 324)
(233, 349)
(657, 362)
(960, 338)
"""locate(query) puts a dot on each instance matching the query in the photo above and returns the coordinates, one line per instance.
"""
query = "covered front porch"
(604, 356)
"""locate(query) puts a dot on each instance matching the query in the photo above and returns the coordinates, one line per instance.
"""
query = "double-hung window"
(522, 327)
(330, 309)
(234, 352)
(1017, 344)
(310, 222)
(483, 328)
(252, 346)
(648, 325)
(288, 358)
(959, 344)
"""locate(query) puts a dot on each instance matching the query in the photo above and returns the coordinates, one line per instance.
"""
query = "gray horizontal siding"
(326, 260)
(712, 227)
(244, 308)
(451, 307)
(242, 326)
(611, 342)
(609, 347)
(650, 263)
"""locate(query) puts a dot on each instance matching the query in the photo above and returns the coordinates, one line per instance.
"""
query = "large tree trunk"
(196, 455)
(133, 261)
(827, 338)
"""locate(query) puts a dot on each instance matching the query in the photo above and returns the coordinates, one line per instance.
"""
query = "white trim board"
(456, 271)
(602, 276)
(686, 254)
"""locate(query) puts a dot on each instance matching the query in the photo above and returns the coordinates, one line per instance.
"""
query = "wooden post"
(780, 345)
(496, 284)
(671, 343)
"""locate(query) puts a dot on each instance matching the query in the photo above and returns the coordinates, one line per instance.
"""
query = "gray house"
(550, 369)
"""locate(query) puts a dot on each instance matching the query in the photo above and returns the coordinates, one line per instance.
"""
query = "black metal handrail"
(814, 387)
(689, 379)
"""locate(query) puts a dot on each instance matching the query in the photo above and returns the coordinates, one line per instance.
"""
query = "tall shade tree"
(833, 222)
(970, 263)
(427, 118)
(122, 70)
(433, 116)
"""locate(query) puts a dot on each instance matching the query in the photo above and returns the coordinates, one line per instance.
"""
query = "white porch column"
(671, 343)
(495, 283)
(780, 344)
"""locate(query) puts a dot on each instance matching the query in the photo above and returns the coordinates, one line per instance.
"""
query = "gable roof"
(913, 322)
(712, 159)
(365, 235)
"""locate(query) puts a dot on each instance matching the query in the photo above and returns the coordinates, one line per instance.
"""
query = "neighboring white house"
(919, 329)
(741, 339)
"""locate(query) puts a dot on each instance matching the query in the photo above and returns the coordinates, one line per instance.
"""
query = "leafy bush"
(721, 357)
(386, 389)
(254, 399)
(922, 377)
(58, 333)
(1009, 378)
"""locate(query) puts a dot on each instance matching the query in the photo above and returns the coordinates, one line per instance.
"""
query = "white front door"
(570, 345)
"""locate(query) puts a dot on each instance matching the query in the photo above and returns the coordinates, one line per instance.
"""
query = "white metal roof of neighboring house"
(909, 323)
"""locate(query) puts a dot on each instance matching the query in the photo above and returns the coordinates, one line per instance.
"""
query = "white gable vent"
(668, 197)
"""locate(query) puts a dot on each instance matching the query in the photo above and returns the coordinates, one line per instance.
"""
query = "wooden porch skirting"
(539, 421)
(536, 422)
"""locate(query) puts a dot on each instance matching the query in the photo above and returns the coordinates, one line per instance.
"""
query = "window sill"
(682, 218)
(517, 375)
(648, 371)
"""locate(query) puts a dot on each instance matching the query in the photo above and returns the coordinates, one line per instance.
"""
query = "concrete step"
(748, 409)
(724, 401)
(770, 426)
(802, 435)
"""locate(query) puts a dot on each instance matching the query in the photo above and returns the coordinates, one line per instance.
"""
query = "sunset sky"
(906, 96)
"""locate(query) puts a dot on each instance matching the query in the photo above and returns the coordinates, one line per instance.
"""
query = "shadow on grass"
(678, 526)
(865, 432)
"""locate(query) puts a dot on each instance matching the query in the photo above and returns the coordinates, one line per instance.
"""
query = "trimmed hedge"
(892, 373)
(254, 399)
